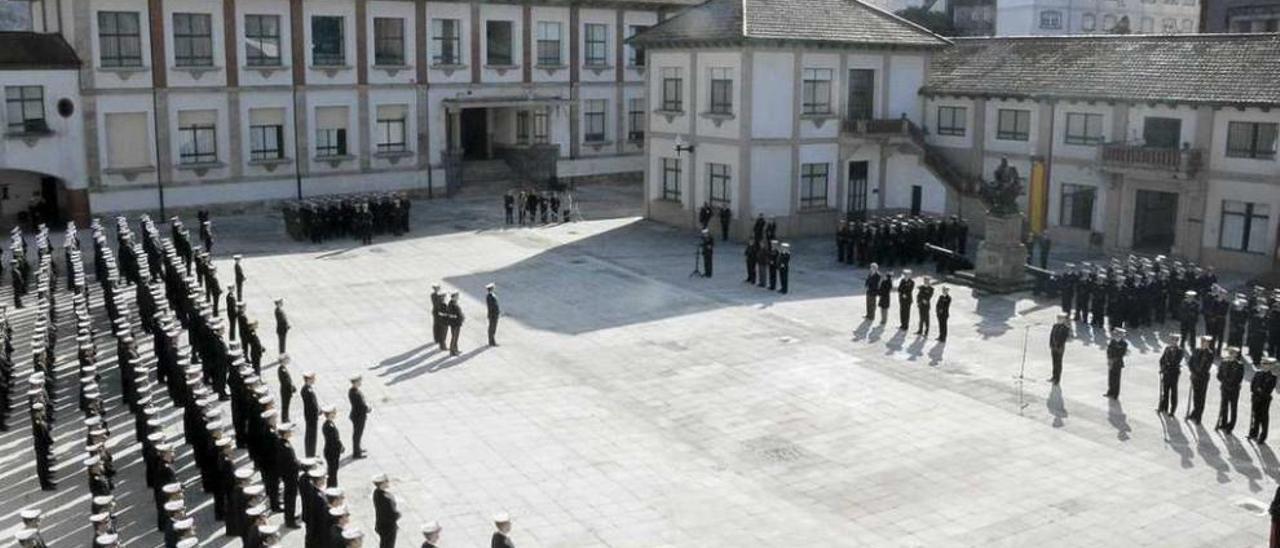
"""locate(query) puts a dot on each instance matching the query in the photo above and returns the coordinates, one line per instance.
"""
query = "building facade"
(1180, 160)
(1061, 17)
(768, 111)
(191, 102)
(1242, 16)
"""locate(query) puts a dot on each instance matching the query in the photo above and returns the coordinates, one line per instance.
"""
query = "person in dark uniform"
(750, 255)
(358, 415)
(1257, 334)
(706, 248)
(773, 264)
(1045, 242)
(430, 534)
(232, 308)
(1188, 316)
(1117, 348)
(943, 311)
(1058, 337)
(282, 326)
(508, 205)
(240, 278)
(1230, 376)
(439, 325)
(501, 536)
(871, 289)
(924, 300)
(906, 289)
(333, 447)
(757, 229)
(762, 263)
(289, 470)
(1170, 369)
(704, 216)
(310, 412)
(385, 512)
(1260, 389)
(455, 319)
(1200, 365)
(885, 293)
(287, 389)
(784, 268)
(725, 216)
(495, 312)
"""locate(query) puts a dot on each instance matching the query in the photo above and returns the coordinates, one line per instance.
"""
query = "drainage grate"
(772, 450)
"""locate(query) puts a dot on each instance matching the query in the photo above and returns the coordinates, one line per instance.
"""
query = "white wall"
(904, 172)
(609, 18)
(719, 154)
(992, 126)
(1218, 156)
(1259, 193)
(1087, 152)
(1139, 113)
(58, 154)
(683, 122)
(770, 171)
(906, 77)
(772, 94)
(950, 141)
(726, 128)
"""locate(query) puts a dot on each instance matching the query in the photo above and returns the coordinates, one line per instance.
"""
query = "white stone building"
(801, 111)
(1059, 17)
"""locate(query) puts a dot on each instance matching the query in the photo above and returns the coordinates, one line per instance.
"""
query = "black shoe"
(292, 524)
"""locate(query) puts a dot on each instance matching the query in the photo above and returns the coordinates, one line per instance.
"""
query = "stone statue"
(1001, 194)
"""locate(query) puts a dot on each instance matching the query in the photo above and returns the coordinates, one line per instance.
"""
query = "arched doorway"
(28, 198)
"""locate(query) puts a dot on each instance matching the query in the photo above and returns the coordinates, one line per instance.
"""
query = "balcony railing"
(890, 126)
(1131, 156)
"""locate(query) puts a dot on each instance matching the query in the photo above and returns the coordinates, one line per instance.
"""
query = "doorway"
(862, 93)
(856, 209)
(1155, 217)
(917, 199)
(1162, 132)
(475, 133)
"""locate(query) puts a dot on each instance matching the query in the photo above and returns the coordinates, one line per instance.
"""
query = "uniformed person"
(310, 412)
(240, 278)
(784, 268)
(1230, 376)
(1260, 389)
(906, 288)
(943, 311)
(886, 292)
(333, 447)
(439, 319)
(31, 523)
(455, 318)
(287, 389)
(495, 312)
(1170, 369)
(358, 415)
(924, 300)
(871, 289)
(1188, 316)
(282, 326)
(1117, 348)
(1200, 365)
(502, 533)
(706, 248)
(385, 512)
(1058, 337)
(290, 470)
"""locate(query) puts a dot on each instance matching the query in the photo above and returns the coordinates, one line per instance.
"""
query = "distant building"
(1059, 17)
(1242, 16)
(972, 17)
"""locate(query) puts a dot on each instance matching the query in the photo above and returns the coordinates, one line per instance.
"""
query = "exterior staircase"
(951, 175)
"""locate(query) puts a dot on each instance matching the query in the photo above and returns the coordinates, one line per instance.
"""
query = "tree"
(936, 21)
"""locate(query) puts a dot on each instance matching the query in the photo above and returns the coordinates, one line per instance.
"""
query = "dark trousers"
(454, 331)
(290, 502)
(271, 484)
(1113, 380)
(285, 399)
(239, 290)
(751, 272)
(871, 306)
(783, 278)
(904, 316)
(942, 328)
(724, 231)
(1198, 390)
(884, 313)
(1261, 418)
(1168, 394)
(309, 442)
(762, 274)
(773, 277)
(707, 263)
(280, 340)
(357, 432)
(493, 330)
(438, 329)
(1227, 409)
(331, 463)
(923, 327)
(387, 539)
(1188, 332)
(1056, 354)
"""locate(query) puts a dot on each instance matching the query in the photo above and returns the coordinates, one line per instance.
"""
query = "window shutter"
(266, 117)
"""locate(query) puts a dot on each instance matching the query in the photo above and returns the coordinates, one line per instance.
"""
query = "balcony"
(1125, 156)
(877, 128)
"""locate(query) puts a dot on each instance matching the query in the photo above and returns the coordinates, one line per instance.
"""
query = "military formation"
(359, 216)
(880, 288)
(768, 260)
(532, 207)
(898, 240)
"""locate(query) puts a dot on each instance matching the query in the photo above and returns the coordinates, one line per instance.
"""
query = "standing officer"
(1260, 388)
(924, 298)
(773, 264)
(1188, 315)
(286, 386)
(310, 412)
(871, 289)
(282, 326)
(906, 286)
(385, 512)
(750, 254)
(1230, 375)
(239, 278)
(455, 316)
(706, 248)
(232, 308)
(491, 302)
(1058, 345)
(1200, 364)
(438, 324)
(784, 268)
(509, 205)
(430, 534)
(1170, 368)
(886, 291)
(725, 215)
(1117, 348)
(289, 469)
(501, 537)
(359, 414)
(333, 447)
(943, 309)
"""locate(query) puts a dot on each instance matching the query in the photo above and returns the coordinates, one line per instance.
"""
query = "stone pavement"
(632, 405)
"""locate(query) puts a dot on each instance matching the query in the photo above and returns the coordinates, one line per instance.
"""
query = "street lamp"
(681, 146)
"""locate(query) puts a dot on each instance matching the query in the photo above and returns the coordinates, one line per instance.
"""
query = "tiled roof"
(832, 21)
(30, 50)
(1236, 69)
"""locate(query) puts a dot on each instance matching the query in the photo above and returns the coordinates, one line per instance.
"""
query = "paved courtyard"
(632, 405)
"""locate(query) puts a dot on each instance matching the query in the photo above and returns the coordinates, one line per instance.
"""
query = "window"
(388, 41)
(597, 50)
(266, 134)
(197, 137)
(635, 55)
(119, 38)
(522, 127)
(817, 91)
(1050, 19)
(952, 120)
(1256, 140)
(1013, 125)
(671, 179)
(862, 94)
(672, 90)
(262, 40)
(1084, 129)
(1077, 206)
(721, 90)
(1108, 22)
(813, 186)
(24, 109)
(327, 45)
(540, 119)
(124, 131)
(1244, 226)
(445, 42)
(192, 40)
(635, 119)
(331, 132)
(498, 43)
(593, 119)
(718, 184)
(1088, 22)
(549, 43)
(391, 128)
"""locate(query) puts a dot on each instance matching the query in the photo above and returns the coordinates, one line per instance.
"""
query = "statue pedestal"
(1001, 256)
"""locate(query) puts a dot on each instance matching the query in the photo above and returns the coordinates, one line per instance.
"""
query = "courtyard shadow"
(441, 363)
(1118, 419)
(1209, 452)
(995, 312)
(1176, 440)
(1057, 406)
